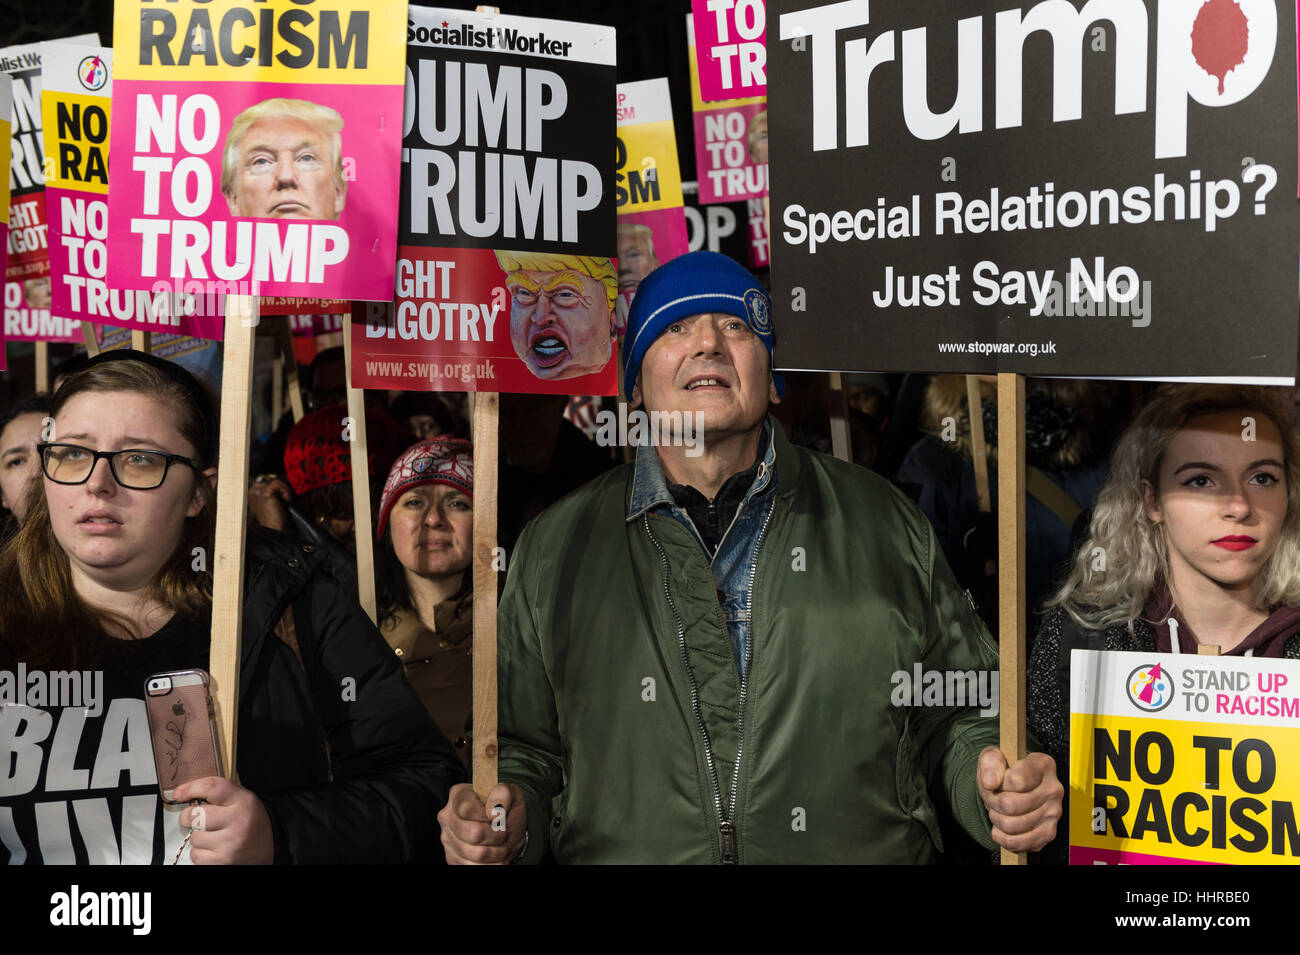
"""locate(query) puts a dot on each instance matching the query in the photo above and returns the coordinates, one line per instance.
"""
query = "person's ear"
(199, 498)
(1150, 503)
(232, 203)
(772, 396)
(636, 392)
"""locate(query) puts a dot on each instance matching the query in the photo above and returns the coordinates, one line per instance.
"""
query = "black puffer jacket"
(391, 767)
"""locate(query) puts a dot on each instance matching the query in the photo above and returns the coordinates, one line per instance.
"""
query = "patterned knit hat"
(315, 454)
(441, 460)
(694, 284)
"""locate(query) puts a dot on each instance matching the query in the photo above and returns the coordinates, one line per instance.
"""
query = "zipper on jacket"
(744, 680)
(726, 829)
(726, 826)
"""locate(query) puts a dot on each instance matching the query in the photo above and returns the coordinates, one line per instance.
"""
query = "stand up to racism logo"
(1150, 688)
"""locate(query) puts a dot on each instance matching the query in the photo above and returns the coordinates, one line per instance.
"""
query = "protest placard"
(505, 276)
(1179, 759)
(28, 317)
(1042, 190)
(731, 48)
(648, 188)
(257, 146)
(27, 242)
(730, 141)
(76, 101)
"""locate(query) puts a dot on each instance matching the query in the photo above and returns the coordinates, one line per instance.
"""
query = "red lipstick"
(1235, 542)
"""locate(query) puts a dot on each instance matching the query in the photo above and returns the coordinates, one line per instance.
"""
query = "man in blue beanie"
(719, 657)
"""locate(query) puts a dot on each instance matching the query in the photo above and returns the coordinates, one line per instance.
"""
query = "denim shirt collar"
(650, 488)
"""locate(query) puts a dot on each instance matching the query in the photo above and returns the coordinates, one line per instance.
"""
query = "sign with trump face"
(506, 270)
(258, 146)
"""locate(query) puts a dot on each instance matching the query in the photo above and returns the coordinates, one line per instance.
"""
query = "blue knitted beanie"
(694, 284)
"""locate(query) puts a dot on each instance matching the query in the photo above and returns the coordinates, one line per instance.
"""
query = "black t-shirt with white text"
(78, 785)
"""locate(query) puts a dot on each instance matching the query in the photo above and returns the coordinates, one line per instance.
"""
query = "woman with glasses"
(1194, 540)
(109, 580)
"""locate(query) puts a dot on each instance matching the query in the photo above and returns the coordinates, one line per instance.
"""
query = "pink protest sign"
(258, 155)
(730, 48)
(28, 318)
(76, 99)
(730, 141)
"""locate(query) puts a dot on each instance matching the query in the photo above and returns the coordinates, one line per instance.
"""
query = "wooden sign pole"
(979, 448)
(361, 524)
(1011, 573)
(232, 513)
(284, 339)
(841, 441)
(92, 343)
(486, 418)
(42, 367)
(141, 340)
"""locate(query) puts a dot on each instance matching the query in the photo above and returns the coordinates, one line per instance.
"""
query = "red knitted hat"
(316, 455)
(439, 460)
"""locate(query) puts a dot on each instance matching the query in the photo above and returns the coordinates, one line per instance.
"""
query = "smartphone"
(182, 728)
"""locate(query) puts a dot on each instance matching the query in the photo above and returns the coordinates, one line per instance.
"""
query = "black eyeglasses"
(137, 469)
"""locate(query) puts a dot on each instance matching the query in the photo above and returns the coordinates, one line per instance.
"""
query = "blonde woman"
(1195, 539)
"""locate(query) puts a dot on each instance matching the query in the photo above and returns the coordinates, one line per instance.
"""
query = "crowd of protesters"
(107, 485)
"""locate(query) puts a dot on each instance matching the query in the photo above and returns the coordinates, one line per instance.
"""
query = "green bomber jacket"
(614, 665)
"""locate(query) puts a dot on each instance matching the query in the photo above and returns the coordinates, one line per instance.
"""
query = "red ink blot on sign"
(1220, 37)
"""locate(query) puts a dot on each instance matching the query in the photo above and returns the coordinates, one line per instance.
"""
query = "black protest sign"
(508, 133)
(1052, 190)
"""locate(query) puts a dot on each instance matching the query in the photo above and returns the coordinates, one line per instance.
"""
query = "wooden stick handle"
(979, 447)
(289, 360)
(1011, 574)
(362, 527)
(42, 359)
(232, 513)
(841, 440)
(486, 418)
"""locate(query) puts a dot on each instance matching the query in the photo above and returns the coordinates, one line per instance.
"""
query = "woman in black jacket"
(108, 576)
